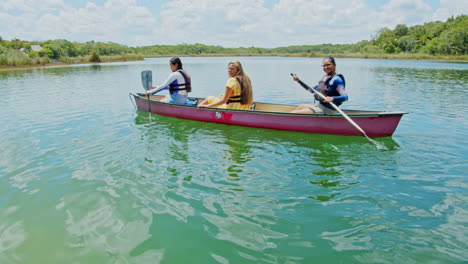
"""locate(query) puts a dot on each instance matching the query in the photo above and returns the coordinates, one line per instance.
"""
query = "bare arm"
(165, 85)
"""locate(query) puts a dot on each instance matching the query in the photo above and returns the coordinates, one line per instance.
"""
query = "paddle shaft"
(147, 80)
(312, 90)
(149, 104)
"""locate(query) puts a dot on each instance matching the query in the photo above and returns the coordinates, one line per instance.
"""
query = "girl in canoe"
(238, 92)
(332, 86)
(178, 83)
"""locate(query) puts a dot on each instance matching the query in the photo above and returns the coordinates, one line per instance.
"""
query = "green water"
(86, 178)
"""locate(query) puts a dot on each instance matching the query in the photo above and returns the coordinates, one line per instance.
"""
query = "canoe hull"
(374, 123)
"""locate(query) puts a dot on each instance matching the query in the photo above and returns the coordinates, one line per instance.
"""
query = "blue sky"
(227, 23)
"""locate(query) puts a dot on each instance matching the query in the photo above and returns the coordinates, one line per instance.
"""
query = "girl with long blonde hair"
(238, 93)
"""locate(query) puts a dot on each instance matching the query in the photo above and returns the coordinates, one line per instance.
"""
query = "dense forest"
(433, 40)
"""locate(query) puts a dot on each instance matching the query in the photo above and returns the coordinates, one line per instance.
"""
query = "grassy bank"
(400, 56)
(17, 60)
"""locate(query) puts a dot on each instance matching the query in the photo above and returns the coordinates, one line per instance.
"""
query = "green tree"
(454, 42)
(16, 44)
(387, 41)
(32, 53)
(95, 57)
(69, 48)
(46, 52)
(401, 30)
(407, 43)
(56, 50)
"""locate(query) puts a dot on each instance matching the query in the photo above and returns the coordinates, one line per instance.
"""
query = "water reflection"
(253, 171)
(5, 74)
(51, 70)
(226, 188)
(116, 187)
(436, 87)
(229, 152)
(428, 79)
(180, 138)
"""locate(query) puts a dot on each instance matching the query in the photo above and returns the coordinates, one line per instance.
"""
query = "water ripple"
(100, 181)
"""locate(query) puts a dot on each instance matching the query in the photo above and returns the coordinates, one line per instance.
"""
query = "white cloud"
(407, 12)
(450, 8)
(318, 21)
(118, 21)
(228, 23)
(31, 5)
(249, 23)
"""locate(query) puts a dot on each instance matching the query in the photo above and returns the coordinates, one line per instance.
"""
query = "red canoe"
(278, 117)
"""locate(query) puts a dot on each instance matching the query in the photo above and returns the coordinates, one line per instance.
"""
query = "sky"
(226, 23)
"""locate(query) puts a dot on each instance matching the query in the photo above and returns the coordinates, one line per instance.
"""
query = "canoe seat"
(266, 107)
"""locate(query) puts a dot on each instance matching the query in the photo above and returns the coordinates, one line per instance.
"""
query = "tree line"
(19, 52)
(446, 38)
(432, 39)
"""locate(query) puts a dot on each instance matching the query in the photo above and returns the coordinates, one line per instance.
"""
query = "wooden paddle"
(312, 90)
(147, 81)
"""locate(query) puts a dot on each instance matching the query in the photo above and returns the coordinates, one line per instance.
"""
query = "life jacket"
(323, 87)
(235, 98)
(182, 86)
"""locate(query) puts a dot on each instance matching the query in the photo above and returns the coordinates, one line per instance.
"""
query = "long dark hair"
(175, 60)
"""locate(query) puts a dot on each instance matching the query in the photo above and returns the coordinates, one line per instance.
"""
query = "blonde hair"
(245, 83)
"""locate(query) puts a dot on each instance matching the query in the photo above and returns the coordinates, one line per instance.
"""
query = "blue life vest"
(324, 88)
(182, 86)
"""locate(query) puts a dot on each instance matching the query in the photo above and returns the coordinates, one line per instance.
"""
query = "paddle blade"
(147, 79)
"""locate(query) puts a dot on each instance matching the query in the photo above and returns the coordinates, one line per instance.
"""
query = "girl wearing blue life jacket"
(178, 83)
(332, 86)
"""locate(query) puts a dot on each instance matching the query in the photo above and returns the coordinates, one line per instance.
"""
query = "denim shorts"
(177, 99)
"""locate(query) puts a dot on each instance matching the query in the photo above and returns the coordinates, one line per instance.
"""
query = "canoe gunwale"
(374, 123)
(349, 112)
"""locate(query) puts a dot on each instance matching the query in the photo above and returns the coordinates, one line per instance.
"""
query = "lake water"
(87, 178)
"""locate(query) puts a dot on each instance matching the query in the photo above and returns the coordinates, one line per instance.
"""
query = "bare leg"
(208, 100)
(165, 99)
(204, 102)
(304, 109)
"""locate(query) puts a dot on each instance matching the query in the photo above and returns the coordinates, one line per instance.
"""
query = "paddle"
(312, 90)
(147, 81)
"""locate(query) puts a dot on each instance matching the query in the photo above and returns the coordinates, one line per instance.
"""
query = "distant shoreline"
(386, 57)
(59, 64)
